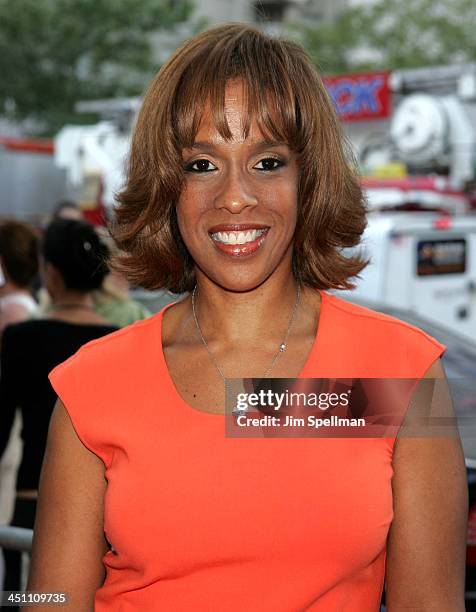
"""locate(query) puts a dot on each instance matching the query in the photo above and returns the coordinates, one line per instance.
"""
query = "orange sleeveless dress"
(200, 521)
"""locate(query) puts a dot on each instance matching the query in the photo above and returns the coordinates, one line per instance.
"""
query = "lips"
(218, 233)
(236, 227)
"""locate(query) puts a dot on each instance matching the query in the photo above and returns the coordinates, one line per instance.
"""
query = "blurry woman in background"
(18, 269)
(72, 266)
(67, 209)
(112, 300)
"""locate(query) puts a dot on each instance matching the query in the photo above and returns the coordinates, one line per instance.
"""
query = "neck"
(233, 316)
(73, 300)
(8, 288)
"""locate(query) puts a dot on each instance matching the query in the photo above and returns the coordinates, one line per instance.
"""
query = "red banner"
(27, 145)
(360, 96)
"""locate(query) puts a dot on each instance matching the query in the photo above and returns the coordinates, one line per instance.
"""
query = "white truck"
(422, 262)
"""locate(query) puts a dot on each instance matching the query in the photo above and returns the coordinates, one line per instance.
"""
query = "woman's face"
(237, 210)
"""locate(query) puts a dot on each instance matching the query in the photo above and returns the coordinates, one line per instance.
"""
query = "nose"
(235, 192)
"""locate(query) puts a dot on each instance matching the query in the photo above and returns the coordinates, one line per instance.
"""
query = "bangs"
(269, 89)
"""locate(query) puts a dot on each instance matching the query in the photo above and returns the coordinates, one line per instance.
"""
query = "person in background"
(114, 303)
(64, 209)
(67, 209)
(72, 265)
(18, 268)
(112, 300)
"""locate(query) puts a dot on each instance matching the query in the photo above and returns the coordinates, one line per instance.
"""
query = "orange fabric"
(199, 521)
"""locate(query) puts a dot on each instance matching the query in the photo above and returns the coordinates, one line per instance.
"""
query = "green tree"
(391, 34)
(54, 53)
(330, 43)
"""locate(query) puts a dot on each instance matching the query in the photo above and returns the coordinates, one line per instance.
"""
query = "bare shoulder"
(427, 539)
(69, 525)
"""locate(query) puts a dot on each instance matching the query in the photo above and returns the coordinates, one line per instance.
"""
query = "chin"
(239, 281)
(244, 274)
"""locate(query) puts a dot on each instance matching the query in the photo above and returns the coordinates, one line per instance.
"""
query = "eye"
(268, 164)
(200, 165)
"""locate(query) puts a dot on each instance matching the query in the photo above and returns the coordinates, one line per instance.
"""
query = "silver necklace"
(282, 346)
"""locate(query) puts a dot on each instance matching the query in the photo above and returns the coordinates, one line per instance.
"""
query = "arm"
(426, 549)
(9, 386)
(69, 541)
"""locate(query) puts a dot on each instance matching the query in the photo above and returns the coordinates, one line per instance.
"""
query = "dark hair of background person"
(290, 103)
(65, 205)
(76, 251)
(19, 252)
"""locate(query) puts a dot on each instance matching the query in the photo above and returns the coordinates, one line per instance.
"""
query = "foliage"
(56, 52)
(391, 34)
(329, 43)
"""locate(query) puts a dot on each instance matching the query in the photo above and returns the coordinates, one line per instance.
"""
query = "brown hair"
(19, 252)
(289, 100)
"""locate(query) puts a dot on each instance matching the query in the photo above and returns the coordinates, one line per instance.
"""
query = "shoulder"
(100, 383)
(13, 313)
(22, 329)
(379, 323)
(32, 328)
(122, 347)
(403, 346)
(122, 312)
(19, 341)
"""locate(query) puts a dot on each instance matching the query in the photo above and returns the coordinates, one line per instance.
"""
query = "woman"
(239, 192)
(72, 266)
(18, 269)
(111, 301)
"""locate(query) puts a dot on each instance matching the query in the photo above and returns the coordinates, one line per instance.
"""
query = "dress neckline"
(313, 360)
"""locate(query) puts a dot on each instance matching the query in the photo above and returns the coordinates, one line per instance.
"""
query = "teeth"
(237, 237)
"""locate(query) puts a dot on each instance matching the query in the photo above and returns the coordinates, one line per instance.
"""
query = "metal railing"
(16, 538)
(19, 539)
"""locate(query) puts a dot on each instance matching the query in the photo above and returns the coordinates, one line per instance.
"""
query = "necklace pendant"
(282, 346)
(237, 412)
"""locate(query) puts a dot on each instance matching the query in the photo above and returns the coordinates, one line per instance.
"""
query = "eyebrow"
(202, 145)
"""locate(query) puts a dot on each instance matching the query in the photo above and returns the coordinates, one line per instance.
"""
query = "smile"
(237, 237)
(239, 243)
